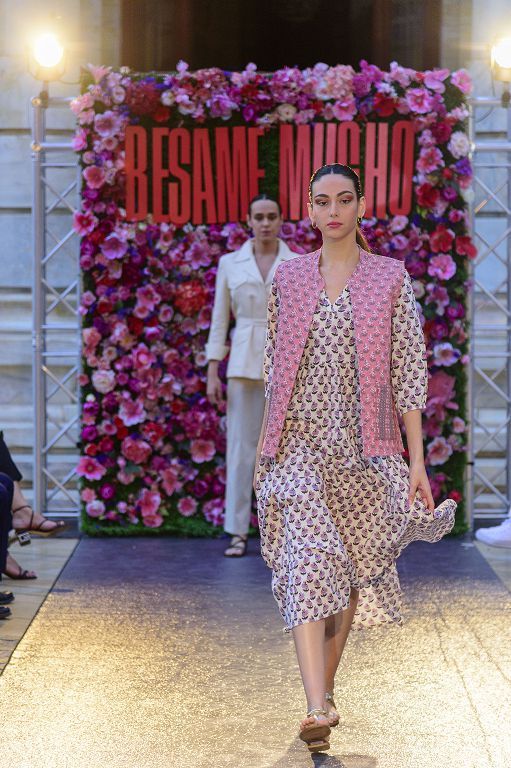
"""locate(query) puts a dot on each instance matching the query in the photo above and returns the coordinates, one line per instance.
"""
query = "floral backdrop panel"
(152, 448)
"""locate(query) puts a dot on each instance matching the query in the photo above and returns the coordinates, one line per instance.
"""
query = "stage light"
(48, 52)
(47, 57)
(501, 66)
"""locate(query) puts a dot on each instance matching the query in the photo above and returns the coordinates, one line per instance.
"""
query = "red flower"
(384, 105)
(441, 240)
(153, 431)
(427, 195)
(465, 246)
(161, 114)
(456, 496)
(190, 297)
(441, 131)
(136, 325)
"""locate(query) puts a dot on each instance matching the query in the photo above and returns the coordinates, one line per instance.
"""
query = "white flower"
(286, 112)
(167, 98)
(459, 145)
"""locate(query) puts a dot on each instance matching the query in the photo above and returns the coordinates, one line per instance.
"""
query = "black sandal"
(21, 575)
(23, 534)
(239, 545)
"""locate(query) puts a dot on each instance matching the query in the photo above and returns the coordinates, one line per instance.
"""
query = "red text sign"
(208, 176)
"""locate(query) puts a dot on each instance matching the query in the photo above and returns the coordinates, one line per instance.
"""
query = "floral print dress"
(329, 519)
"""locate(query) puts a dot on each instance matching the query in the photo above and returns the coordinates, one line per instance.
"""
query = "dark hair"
(263, 197)
(349, 173)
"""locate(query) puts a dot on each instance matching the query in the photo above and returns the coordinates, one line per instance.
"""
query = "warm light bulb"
(48, 52)
(501, 53)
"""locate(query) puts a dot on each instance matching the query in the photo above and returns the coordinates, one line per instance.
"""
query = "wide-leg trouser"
(245, 410)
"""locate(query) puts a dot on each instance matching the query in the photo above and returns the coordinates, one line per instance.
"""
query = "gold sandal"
(315, 735)
(333, 715)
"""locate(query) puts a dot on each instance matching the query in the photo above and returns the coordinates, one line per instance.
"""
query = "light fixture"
(501, 65)
(47, 57)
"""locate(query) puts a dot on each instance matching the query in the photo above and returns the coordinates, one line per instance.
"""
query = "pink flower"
(398, 223)
(84, 223)
(132, 412)
(344, 110)
(458, 425)
(113, 248)
(147, 298)
(419, 100)
(202, 450)
(85, 101)
(170, 480)
(98, 72)
(445, 354)
(401, 75)
(439, 295)
(94, 176)
(438, 451)
(88, 494)
(90, 468)
(103, 381)
(95, 508)
(434, 79)
(149, 502)
(137, 451)
(187, 506)
(214, 511)
(106, 124)
(442, 266)
(152, 521)
(462, 80)
(430, 158)
(142, 357)
(79, 140)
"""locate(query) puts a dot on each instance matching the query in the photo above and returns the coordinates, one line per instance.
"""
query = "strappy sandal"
(315, 735)
(332, 714)
(239, 545)
(23, 534)
(21, 575)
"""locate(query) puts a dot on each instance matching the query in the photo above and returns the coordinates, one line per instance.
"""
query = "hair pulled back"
(263, 196)
(348, 173)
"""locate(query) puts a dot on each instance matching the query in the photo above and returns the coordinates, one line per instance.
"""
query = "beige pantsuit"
(240, 290)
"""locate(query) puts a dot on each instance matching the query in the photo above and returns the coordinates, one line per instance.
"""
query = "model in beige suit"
(242, 288)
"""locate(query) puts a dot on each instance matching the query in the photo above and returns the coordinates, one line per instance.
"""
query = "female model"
(337, 503)
(242, 286)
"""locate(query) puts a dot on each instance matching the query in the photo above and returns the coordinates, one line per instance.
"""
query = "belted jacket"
(374, 287)
(240, 290)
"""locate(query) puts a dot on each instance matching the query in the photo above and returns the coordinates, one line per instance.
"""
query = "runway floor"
(153, 653)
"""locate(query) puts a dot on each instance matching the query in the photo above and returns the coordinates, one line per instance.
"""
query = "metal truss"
(56, 326)
(488, 487)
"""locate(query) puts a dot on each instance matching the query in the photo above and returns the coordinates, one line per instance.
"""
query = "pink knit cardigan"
(374, 287)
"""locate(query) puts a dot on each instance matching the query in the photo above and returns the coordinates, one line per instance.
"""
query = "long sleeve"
(271, 336)
(409, 370)
(216, 347)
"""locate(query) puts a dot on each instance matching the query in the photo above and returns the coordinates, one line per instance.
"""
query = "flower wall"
(152, 447)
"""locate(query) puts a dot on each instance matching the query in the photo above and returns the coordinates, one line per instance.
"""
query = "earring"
(359, 220)
(313, 224)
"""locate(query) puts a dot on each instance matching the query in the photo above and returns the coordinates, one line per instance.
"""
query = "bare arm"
(418, 477)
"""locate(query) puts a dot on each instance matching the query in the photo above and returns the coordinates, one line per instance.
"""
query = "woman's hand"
(214, 385)
(419, 482)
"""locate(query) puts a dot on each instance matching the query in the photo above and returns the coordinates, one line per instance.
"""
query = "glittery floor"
(153, 653)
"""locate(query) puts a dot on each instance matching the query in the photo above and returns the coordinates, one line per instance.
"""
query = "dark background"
(275, 33)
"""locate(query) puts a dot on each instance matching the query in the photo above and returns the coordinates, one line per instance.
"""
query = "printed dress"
(329, 519)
